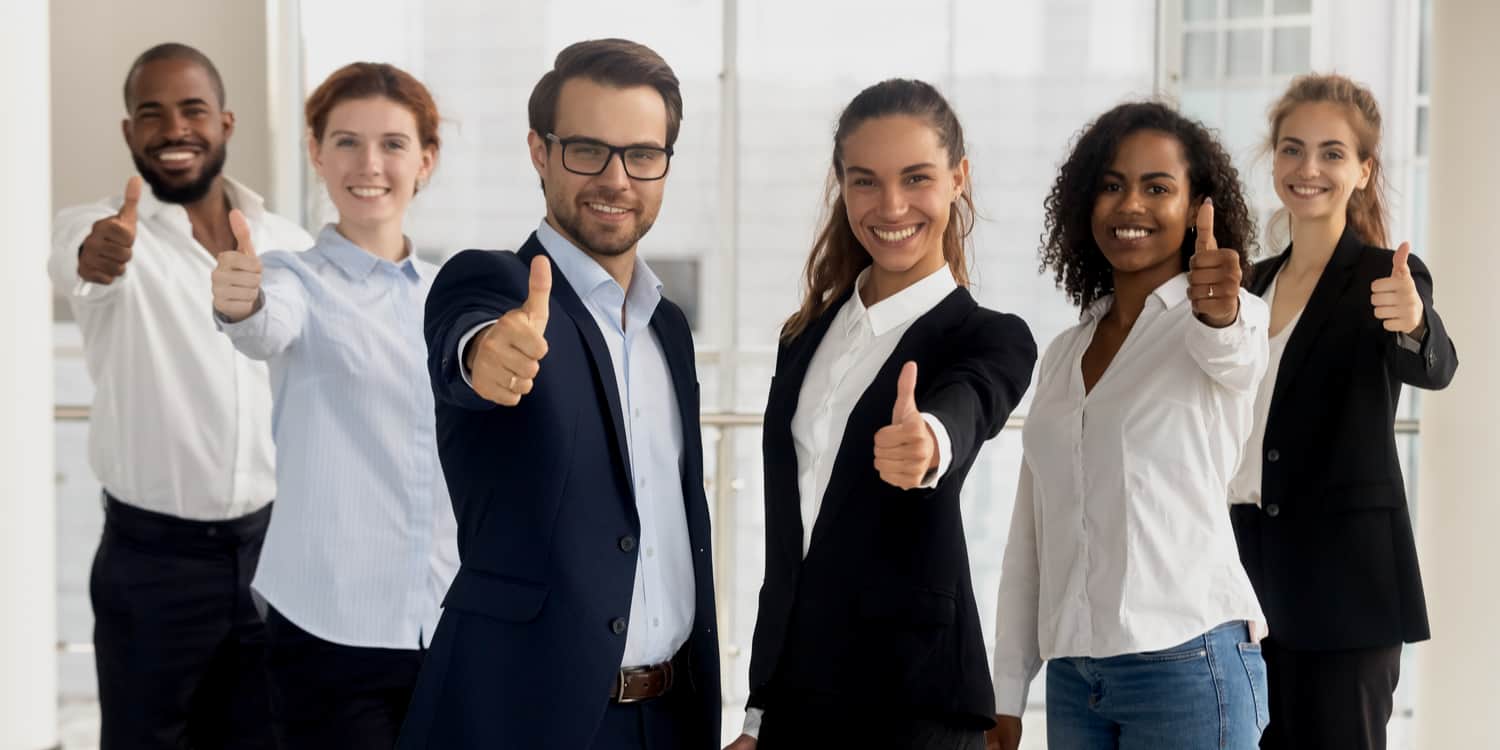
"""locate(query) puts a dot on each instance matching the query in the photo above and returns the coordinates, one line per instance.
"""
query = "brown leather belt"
(636, 684)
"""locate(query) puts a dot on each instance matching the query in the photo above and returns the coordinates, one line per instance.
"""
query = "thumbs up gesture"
(236, 279)
(107, 249)
(505, 358)
(1213, 274)
(906, 449)
(1395, 297)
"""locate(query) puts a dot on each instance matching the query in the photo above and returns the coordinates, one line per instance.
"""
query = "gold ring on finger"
(1210, 292)
(512, 385)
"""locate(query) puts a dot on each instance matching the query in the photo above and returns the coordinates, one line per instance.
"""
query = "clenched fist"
(505, 358)
(107, 249)
(236, 279)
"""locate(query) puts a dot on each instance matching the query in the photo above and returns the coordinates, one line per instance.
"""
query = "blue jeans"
(1207, 693)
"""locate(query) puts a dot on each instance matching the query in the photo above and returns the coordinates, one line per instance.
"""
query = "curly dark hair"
(1068, 246)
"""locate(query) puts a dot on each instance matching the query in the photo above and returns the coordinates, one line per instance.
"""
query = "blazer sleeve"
(1433, 365)
(975, 394)
(473, 287)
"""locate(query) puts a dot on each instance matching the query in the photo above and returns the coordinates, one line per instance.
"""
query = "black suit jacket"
(880, 617)
(533, 628)
(1330, 551)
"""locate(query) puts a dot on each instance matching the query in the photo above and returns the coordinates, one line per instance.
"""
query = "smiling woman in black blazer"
(888, 380)
(1320, 508)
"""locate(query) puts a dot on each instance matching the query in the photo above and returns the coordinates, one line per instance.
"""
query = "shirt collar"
(246, 200)
(586, 276)
(903, 306)
(358, 263)
(1171, 292)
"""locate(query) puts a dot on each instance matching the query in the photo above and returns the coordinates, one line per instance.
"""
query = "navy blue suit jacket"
(533, 628)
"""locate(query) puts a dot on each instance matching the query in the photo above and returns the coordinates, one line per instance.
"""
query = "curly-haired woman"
(1121, 568)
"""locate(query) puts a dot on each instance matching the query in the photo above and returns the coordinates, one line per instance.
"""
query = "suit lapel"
(1324, 300)
(565, 297)
(784, 398)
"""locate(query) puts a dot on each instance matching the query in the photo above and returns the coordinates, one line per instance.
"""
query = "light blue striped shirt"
(363, 542)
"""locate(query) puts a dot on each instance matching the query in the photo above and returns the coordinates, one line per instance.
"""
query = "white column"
(28, 532)
(1459, 516)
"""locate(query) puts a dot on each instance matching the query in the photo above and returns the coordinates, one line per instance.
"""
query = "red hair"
(364, 80)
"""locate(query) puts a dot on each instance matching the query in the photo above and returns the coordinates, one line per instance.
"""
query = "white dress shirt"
(1245, 488)
(662, 604)
(858, 342)
(181, 422)
(363, 543)
(1120, 540)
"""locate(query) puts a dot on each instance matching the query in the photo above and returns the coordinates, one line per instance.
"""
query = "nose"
(371, 161)
(614, 175)
(177, 124)
(1130, 202)
(892, 203)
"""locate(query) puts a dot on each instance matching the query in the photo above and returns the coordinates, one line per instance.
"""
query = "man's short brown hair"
(612, 62)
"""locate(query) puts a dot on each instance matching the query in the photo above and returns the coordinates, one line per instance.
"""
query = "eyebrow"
(906, 170)
(402, 136)
(190, 102)
(1299, 142)
(1145, 177)
(602, 142)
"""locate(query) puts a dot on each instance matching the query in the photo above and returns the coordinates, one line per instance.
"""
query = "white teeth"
(369, 192)
(603, 209)
(175, 155)
(895, 236)
(1306, 191)
(1131, 233)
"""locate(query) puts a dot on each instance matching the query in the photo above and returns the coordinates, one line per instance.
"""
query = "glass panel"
(1424, 55)
(1244, 53)
(1200, 55)
(1291, 50)
(1247, 8)
(1292, 7)
(1200, 10)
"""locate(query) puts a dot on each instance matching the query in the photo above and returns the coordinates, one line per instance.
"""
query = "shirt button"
(617, 626)
(627, 543)
(650, 552)
(1273, 510)
(213, 531)
(656, 622)
(643, 483)
(1273, 455)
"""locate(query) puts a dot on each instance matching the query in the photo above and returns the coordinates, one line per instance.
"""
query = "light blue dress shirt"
(362, 543)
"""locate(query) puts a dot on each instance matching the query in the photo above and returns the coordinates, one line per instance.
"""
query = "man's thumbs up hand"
(505, 358)
(109, 246)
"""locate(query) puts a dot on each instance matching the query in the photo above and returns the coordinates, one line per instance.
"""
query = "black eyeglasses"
(587, 156)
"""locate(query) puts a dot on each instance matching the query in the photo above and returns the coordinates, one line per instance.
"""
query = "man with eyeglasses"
(567, 411)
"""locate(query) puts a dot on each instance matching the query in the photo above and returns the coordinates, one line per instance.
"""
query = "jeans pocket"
(1255, 670)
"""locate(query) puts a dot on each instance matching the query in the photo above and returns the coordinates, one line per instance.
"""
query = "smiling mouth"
(369, 192)
(895, 235)
(606, 209)
(175, 157)
(1131, 234)
(1307, 191)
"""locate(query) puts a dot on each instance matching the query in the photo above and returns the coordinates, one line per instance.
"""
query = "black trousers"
(796, 729)
(328, 695)
(1329, 699)
(178, 645)
(664, 723)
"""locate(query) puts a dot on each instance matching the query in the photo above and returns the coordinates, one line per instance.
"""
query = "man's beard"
(598, 243)
(193, 191)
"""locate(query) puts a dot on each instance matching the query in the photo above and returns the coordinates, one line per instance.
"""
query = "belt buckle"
(620, 692)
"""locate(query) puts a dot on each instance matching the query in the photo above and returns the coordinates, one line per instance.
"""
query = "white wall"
(93, 44)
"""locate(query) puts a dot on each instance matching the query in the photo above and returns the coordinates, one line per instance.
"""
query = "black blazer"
(1330, 551)
(880, 616)
(534, 624)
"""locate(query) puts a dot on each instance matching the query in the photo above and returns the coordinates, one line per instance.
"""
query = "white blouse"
(1120, 540)
(1245, 487)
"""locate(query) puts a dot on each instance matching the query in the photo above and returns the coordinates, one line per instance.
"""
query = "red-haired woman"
(1319, 503)
(362, 545)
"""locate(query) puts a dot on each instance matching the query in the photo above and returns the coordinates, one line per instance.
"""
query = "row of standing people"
(566, 435)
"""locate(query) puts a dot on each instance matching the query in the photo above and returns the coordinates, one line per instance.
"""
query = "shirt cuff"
(751, 726)
(944, 449)
(463, 345)
(253, 324)
(1410, 343)
(1010, 695)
